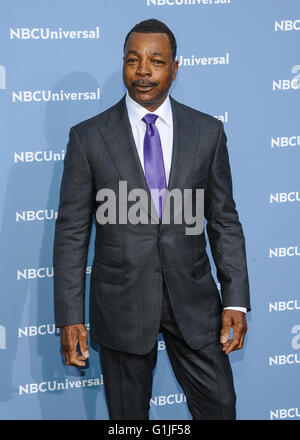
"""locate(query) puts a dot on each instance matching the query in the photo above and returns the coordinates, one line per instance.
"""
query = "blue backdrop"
(60, 63)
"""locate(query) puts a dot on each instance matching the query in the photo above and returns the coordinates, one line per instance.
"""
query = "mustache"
(144, 83)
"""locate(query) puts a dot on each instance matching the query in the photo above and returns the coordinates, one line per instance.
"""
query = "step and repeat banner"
(61, 63)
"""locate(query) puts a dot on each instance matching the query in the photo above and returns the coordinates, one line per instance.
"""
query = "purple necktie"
(153, 160)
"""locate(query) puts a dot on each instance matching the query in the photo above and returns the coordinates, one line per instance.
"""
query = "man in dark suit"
(151, 277)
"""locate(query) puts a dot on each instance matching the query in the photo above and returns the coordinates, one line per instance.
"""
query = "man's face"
(148, 69)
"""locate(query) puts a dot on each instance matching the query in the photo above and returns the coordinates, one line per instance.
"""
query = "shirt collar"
(136, 111)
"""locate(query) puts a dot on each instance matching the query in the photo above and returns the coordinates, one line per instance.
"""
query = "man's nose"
(143, 68)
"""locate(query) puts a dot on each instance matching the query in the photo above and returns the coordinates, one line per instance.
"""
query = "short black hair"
(153, 26)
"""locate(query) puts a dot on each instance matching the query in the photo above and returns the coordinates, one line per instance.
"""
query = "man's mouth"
(144, 87)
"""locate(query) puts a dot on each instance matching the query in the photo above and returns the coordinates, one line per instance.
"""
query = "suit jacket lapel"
(118, 137)
(182, 138)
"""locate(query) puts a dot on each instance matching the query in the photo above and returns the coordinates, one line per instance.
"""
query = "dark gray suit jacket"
(126, 277)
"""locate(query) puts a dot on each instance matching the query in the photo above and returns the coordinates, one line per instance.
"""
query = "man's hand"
(236, 320)
(71, 335)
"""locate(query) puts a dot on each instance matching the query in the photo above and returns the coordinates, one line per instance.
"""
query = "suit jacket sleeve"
(72, 233)
(224, 230)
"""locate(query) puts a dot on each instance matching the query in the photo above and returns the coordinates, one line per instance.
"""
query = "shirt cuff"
(240, 309)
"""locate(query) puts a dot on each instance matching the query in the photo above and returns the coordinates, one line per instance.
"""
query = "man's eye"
(131, 60)
(158, 61)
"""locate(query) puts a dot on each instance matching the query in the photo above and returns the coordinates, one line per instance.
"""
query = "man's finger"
(73, 357)
(242, 340)
(225, 332)
(70, 337)
(76, 360)
(227, 344)
(69, 351)
(239, 332)
(83, 345)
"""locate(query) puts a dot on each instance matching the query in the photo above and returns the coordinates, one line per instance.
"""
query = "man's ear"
(175, 69)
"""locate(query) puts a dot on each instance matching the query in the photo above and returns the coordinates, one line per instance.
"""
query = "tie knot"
(150, 118)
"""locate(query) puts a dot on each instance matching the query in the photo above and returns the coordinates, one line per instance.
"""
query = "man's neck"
(149, 107)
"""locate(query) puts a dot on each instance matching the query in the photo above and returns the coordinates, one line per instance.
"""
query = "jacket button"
(157, 270)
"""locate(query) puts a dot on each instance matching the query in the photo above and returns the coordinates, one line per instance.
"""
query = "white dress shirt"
(164, 124)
